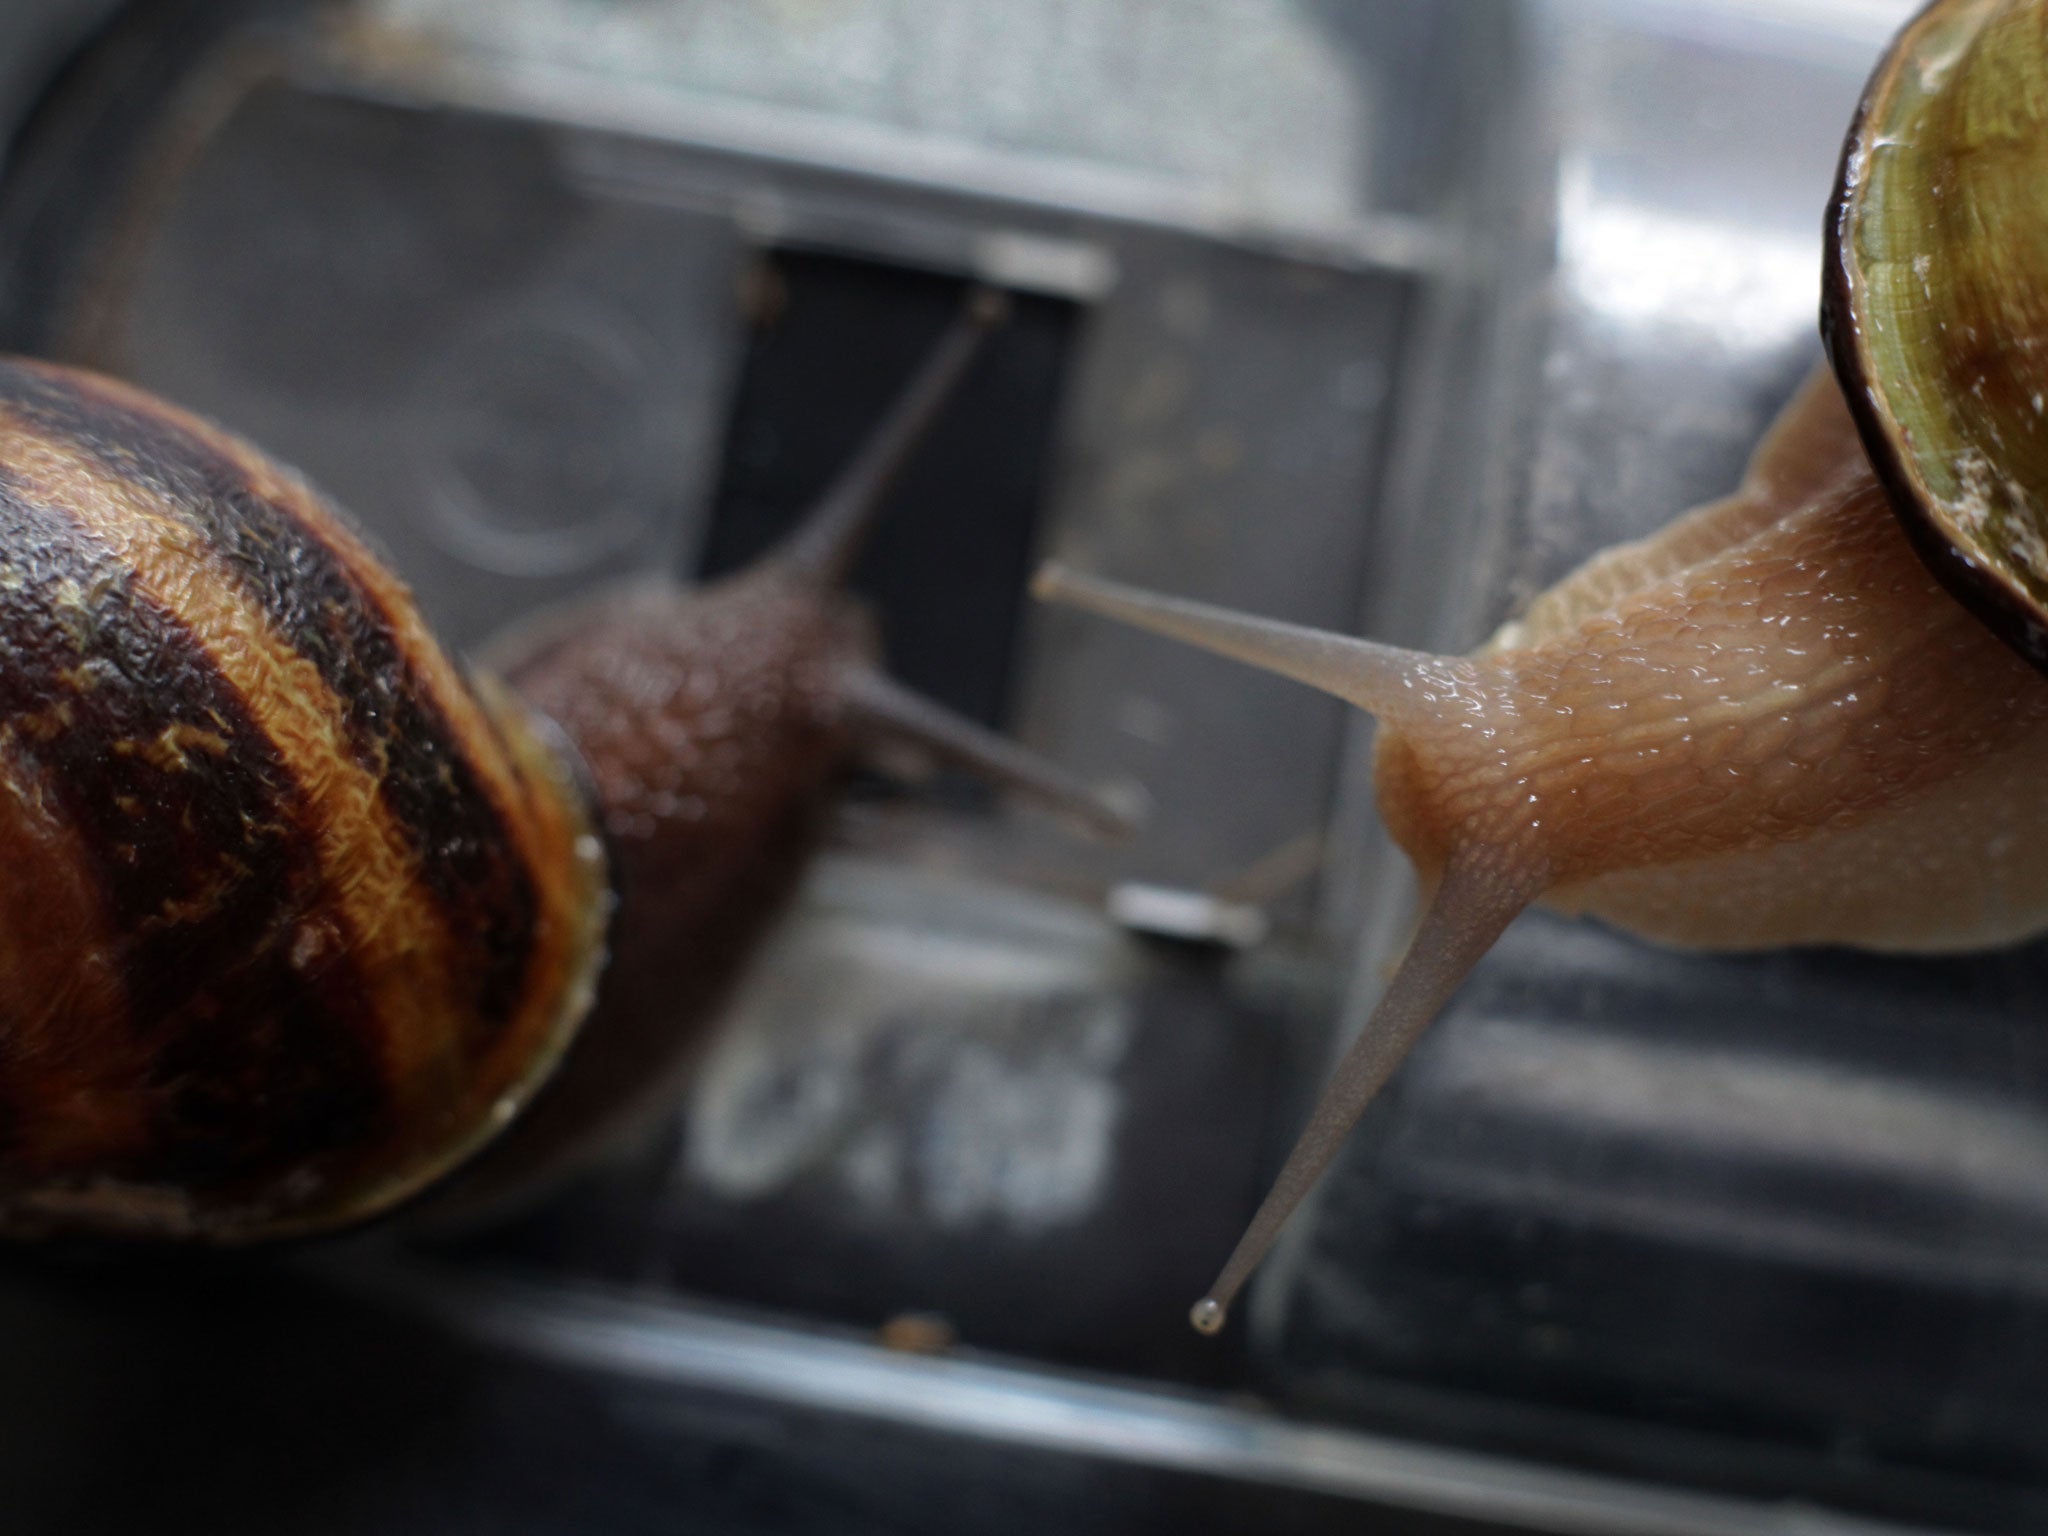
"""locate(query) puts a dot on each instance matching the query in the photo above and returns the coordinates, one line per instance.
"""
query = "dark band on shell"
(301, 920)
(311, 586)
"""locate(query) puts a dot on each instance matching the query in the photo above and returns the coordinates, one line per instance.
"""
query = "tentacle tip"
(1119, 810)
(988, 307)
(1052, 583)
(1208, 1316)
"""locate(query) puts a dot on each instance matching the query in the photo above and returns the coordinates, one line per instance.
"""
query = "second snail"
(1809, 713)
(300, 918)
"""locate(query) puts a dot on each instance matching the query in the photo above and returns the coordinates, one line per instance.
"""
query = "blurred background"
(1368, 314)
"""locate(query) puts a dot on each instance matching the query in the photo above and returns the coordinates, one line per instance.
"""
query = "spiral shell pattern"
(293, 916)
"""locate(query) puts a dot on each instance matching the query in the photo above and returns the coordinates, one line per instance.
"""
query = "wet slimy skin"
(1767, 725)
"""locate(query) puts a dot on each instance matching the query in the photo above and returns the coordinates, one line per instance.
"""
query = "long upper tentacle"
(1384, 679)
(829, 539)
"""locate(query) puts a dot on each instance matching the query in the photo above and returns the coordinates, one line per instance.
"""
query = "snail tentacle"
(877, 703)
(829, 540)
(1384, 680)
(1482, 890)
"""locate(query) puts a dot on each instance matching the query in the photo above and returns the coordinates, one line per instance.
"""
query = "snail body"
(1768, 725)
(1772, 723)
(297, 916)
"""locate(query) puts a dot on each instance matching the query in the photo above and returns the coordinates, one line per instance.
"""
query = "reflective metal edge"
(1383, 242)
(688, 1346)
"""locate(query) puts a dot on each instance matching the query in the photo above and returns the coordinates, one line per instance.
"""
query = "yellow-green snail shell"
(1936, 299)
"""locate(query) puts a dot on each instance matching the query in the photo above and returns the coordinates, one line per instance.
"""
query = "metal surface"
(980, 1400)
(938, 1096)
(1220, 429)
(247, 1401)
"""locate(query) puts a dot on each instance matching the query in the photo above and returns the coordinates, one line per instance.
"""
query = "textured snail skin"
(1782, 720)
(1767, 725)
(707, 721)
(711, 724)
(291, 920)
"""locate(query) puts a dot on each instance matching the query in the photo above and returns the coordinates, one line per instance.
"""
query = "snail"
(1772, 723)
(300, 920)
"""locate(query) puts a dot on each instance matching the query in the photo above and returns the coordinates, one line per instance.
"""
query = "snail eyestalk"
(1380, 679)
(829, 539)
(879, 701)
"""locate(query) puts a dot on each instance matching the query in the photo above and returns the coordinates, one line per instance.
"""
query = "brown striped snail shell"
(295, 916)
(1768, 724)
